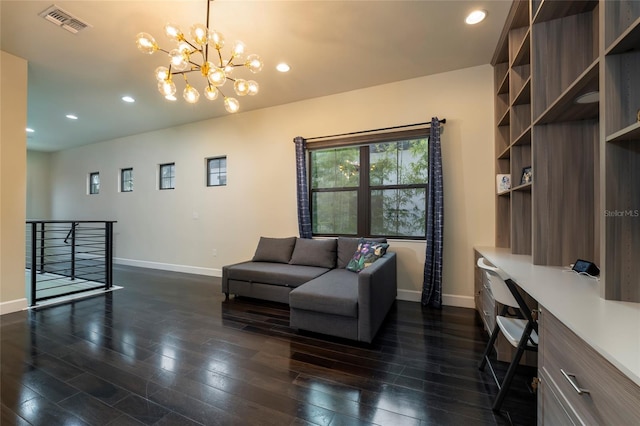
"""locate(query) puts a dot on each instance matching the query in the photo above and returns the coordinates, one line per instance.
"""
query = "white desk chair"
(520, 329)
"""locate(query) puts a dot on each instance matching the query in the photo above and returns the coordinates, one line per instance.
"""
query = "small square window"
(126, 180)
(167, 176)
(217, 171)
(94, 183)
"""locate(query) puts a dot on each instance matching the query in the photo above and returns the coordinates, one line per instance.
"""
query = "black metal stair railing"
(68, 257)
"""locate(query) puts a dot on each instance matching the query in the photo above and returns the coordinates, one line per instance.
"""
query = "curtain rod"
(443, 121)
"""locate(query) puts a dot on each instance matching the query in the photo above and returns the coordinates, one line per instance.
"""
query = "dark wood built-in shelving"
(585, 157)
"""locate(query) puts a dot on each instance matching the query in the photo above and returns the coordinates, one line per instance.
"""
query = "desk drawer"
(610, 397)
(488, 307)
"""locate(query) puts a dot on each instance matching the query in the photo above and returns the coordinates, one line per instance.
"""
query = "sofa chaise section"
(346, 304)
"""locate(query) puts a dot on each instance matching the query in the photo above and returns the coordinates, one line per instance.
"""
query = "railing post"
(41, 247)
(108, 242)
(73, 251)
(34, 262)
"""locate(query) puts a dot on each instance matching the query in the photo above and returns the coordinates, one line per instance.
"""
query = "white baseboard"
(13, 306)
(211, 272)
(447, 299)
(407, 295)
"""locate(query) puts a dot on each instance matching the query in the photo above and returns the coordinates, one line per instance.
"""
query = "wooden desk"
(606, 329)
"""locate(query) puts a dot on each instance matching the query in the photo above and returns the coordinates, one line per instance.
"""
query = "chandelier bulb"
(216, 39)
(211, 93)
(179, 60)
(161, 73)
(184, 48)
(254, 63)
(173, 32)
(167, 87)
(238, 50)
(241, 87)
(231, 105)
(200, 34)
(190, 94)
(253, 88)
(146, 43)
(228, 69)
(217, 77)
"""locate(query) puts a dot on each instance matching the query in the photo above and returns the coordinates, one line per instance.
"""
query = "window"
(375, 189)
(126, 180)
(94, 183)
(168, 176)
(217, 171)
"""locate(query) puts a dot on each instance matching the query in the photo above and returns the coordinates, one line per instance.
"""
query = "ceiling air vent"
(63, 19)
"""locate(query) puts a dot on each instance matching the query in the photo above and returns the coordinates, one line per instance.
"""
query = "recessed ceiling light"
(588, 98)
(476, 16)
(282, 67)
(128, 99)
(72, 116)
(30, 130)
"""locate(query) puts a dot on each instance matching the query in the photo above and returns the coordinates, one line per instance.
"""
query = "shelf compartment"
(521, 228)
(501, 77)
(523, 55)
(548, 10)
(565, 108)
(628, 41)
(519, 77)
(504, 119)
(520, 158)
(505, 154)
(502, 107)
(526, 187)
(524, 95)
(524, 138)
(503, 220)
(631, 133)
(520, 46)
(562, 50)
(520, 120)
(622, 20)
(621, 91)
(502, 139)
(622, 221)
(564, 199)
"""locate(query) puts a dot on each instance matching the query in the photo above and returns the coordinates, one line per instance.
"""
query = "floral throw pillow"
(367, 253)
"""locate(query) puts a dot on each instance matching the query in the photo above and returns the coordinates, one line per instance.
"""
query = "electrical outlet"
(214, 252)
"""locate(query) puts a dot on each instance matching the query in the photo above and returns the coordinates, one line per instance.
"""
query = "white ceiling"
(332, 47)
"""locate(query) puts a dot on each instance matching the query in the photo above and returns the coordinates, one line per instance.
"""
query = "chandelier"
(191, 57)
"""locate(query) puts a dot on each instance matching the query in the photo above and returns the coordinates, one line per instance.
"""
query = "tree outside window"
(377, 189)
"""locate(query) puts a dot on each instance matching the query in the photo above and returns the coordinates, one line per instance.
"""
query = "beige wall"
(13, 151)
(181, 229)
(38, 185)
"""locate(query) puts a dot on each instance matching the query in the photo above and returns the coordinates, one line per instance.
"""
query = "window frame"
(123, 180)
(172, 178)
(209, 174)
(364, 189)
(94, 189)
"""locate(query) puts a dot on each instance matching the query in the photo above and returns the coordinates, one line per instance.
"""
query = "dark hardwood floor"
(168, 350)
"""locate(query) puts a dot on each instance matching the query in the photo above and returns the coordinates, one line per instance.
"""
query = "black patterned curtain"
(432, 284)
(304, 216)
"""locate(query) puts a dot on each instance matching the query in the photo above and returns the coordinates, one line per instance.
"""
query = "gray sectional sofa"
(312, 277)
